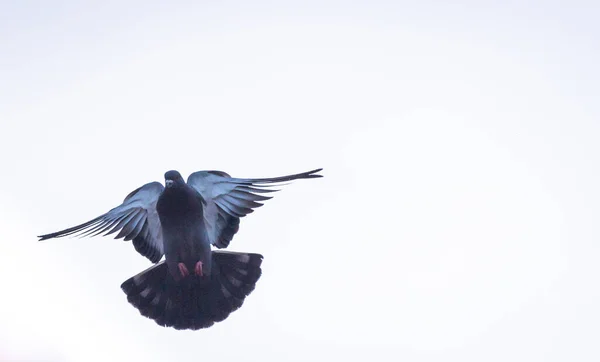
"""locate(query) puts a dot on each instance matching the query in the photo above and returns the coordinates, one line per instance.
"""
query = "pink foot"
(198, 269)
(183, 270)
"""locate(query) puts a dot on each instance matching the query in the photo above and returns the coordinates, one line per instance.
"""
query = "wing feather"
(117, 224)
(228, 199)
(128, 231)
(135, 219)
(248, 195)
(106, 224)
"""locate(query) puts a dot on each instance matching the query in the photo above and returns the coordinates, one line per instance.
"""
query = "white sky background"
(458, 216)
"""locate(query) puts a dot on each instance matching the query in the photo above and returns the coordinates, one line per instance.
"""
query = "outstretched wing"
(136, 219)
(228, 199)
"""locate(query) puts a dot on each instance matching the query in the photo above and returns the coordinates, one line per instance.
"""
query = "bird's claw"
(198, 269)
(183, 270)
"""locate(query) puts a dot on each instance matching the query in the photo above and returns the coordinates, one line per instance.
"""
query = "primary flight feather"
(194, 286)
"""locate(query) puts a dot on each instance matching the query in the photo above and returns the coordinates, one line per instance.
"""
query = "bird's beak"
(169, 183)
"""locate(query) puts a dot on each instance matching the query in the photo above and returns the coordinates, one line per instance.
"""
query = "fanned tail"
(195, 303)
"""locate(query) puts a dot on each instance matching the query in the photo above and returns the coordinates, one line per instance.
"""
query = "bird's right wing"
(136, 218)
(228, 199)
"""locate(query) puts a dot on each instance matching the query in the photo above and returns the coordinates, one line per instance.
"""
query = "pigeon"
(194, 286)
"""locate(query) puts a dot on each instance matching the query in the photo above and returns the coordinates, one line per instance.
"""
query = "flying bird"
(194, 286)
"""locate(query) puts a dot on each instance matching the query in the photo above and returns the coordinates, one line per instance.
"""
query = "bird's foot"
(183, 270)
(198, 269)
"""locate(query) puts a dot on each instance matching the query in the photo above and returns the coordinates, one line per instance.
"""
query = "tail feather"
(194, 302)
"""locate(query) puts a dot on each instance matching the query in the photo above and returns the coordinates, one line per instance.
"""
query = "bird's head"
(173, 178)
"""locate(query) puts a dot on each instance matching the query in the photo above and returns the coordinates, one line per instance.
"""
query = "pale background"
(458, 216)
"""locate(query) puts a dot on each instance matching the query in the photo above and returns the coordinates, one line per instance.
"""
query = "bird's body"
(180, 210)
(194, 286)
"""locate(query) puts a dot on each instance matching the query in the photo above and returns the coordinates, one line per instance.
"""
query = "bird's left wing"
(136, 219)
(227, 199)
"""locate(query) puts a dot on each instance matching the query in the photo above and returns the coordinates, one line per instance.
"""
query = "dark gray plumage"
(194, 286)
